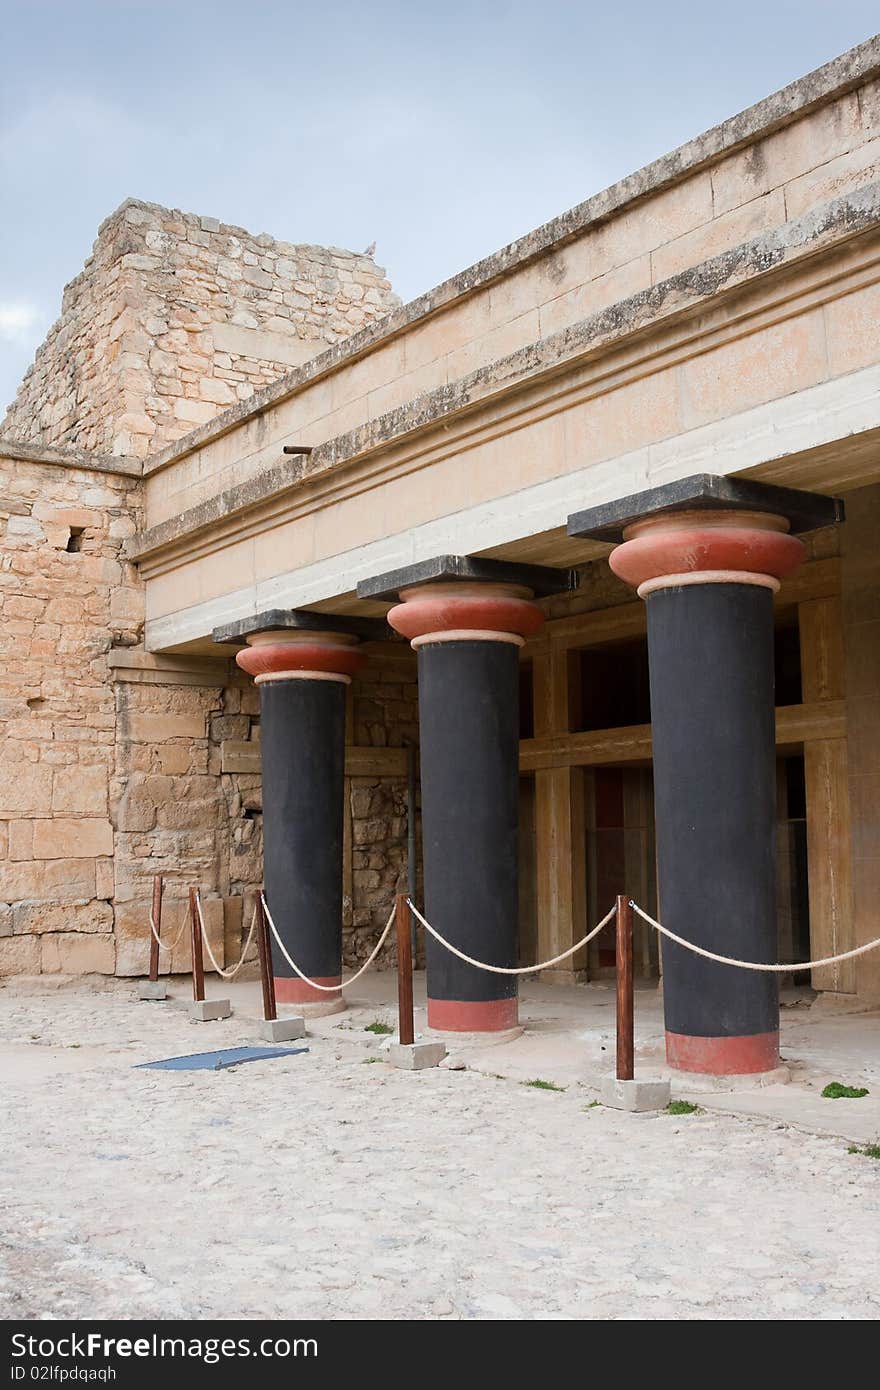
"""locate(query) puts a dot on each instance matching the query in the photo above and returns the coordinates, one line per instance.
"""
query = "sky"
(441, 131)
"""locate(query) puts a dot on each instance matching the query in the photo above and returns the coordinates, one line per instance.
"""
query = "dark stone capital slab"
(541, 579)
(302, 620)
(805, 511)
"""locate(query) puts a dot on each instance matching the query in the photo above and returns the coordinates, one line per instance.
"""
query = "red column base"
(290, 989)
(473, 1016)
(737, 1056)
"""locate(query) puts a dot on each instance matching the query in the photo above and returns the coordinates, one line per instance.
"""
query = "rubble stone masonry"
(110, 767)
(175, 317)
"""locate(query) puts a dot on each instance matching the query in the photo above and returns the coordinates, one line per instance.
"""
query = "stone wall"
(112, 760)
(66, 597)
(173, 318)
(384, 714)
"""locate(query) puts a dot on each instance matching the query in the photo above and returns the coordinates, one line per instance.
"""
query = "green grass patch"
(591, 1105)
(835, 1090)
(369, 1060)
(869, 1151)
(682, 1107)
(540, 1085)
(377, 1026)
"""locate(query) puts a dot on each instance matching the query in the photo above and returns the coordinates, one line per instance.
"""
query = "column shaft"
(303, 756)
(707, 554)
(469, 718)
(712, 715)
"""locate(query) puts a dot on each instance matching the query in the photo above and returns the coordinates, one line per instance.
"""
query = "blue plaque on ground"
(226, 1057)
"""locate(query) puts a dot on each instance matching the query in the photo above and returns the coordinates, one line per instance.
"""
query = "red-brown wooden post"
(267, 979)
(405, 1026)
(158, 885)
(625, 1045)
(195, 926)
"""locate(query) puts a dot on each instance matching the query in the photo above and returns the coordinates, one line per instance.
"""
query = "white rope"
(504, 969)
(750, 964)
(327, 989)
(227, 974)
(183, 926)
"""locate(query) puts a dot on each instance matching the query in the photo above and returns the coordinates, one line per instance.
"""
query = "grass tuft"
(682, 1107)
(835, 1090)
(540, 1085)
(869, 1151)
(377, 1026)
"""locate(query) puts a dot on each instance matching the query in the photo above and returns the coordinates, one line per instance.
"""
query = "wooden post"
(560, 832)
(158, 885)
(195, 926)
(405, 1026)
(829, 848)
(267, 978)
(625, 1047)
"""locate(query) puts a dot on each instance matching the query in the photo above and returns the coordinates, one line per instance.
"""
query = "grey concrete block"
(207, 1010)
(415, 1056)
(635, 1095)
(282, 1029)
(152, 989)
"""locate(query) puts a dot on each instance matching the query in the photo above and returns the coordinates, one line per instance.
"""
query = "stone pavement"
(332, 1185)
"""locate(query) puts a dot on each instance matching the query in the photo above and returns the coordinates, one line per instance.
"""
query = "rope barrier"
(183, 926)
(326, 989)
(227, 974)
(504, 969)
(750, 964)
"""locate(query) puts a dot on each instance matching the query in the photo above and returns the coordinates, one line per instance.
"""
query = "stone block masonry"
(110, 761)
(111, 766)
(66, 598)
(175, 317)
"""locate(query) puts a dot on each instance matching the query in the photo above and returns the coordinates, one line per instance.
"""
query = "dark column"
(710, 648)
(302, 663)
(707, 555)
(467, 620)
(302, 749)
(469, 722)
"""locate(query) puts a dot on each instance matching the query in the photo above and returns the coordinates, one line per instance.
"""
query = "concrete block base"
(415, 1056)
(282, 1029)
(207, 1010)
(635, 1095)
(152, 989)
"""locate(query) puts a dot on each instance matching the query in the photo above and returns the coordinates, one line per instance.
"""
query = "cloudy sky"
(440, 130)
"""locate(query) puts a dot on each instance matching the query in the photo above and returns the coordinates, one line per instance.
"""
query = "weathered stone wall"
(66, 597)
(111, 769)
(384, 708)
(175, 814)
(175, 317)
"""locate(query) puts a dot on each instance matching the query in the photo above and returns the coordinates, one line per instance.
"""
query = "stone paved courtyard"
(330, 1185)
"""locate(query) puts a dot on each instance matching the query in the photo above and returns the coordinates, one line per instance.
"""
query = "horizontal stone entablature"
(719, 203)
(26, 452)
